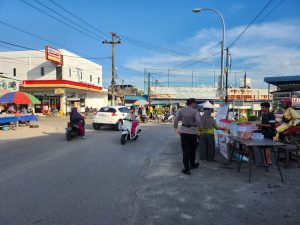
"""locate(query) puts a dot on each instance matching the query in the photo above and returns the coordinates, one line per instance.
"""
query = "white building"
(75, 82)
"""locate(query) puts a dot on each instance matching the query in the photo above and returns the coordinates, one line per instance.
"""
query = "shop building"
(58, 78)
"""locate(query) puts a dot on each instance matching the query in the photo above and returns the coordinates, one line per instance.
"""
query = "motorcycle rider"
(290, 118)
(132, 116)
(77, 119)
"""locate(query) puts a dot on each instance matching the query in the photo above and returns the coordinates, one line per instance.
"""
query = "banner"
(8, 85)
(221, 138)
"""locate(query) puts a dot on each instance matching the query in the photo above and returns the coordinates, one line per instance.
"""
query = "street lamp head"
(197, 10)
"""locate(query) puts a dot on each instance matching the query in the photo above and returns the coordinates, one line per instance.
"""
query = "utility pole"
(115, 39)
(168, 77)
(226, 78)
(149, 88)
(192, 78)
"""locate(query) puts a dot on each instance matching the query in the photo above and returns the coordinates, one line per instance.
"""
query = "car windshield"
(107, 109)
(124, 110)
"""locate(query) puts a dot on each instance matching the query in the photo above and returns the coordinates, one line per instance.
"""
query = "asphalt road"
(47, 180)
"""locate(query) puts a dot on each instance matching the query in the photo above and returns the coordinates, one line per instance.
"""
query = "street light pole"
(221, 85)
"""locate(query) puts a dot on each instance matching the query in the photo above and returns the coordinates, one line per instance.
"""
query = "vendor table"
(250, 144)
(8, 119)
(16, 119)
(28, 117)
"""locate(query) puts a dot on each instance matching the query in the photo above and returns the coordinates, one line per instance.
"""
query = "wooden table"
(260, 144)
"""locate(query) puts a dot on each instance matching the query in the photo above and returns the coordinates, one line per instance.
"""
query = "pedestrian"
(206, 135)
(267, 127)
(188, 134)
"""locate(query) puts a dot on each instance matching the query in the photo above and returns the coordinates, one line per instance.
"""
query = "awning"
(135, 98)
(283, 80)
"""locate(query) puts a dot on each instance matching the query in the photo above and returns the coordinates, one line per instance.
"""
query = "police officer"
(190, 118)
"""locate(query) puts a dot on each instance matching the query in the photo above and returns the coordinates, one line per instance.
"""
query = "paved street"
(47, 180)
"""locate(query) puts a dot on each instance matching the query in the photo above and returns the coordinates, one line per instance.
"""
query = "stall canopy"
(283, 80)
(207, 105)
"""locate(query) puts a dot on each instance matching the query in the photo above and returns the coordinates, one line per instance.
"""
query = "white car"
(110, 115)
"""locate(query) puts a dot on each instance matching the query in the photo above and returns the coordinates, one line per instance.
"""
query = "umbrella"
(19, 98)
(3, 91)
(141, 102)
(207, 105)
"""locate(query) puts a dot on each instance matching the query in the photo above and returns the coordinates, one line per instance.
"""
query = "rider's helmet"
(286, 103)
(265, 104)
(132, 108)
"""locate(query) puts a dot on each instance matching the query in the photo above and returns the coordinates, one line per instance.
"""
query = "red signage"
(54, 55)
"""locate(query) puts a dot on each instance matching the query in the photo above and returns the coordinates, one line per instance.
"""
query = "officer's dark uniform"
(190, 118)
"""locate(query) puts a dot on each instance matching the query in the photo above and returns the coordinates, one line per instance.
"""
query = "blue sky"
(269, 47)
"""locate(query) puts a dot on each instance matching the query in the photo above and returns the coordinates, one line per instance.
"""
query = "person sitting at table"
(267, 127)
(24, 110)
(11, 109)
(206, 135)
(2, 109)
(77, 119)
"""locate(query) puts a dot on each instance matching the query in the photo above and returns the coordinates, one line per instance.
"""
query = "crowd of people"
(12, 109)
(198, 129)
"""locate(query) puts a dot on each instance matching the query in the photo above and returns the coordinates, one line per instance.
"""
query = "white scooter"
(126, 131)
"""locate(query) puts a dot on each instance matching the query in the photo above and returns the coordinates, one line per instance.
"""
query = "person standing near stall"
(190, 120)
(206, 135)
(267, 127)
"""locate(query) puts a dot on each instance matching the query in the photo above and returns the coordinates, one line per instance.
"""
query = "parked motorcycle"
(167, 117)
(126, 131)
(71, 131)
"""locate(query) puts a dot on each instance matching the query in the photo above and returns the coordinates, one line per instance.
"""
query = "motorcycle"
(290, 136)
(71, 131)
(167, 117)
(126, 131)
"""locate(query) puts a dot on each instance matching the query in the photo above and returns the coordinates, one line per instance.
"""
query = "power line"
(53, 17)
(126, 38)
(250, 24)
(194, 58)
(76, 24)
(271, 11)
(37, 36)
(83, 21)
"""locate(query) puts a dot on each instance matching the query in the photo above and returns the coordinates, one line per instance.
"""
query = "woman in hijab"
(206, 137)
(77, 119)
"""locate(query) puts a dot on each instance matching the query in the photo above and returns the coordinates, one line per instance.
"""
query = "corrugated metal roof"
(282, 80)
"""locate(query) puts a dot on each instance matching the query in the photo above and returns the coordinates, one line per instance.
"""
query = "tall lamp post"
(197, 10)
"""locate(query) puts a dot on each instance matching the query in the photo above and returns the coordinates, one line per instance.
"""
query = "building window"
(80, 75)
(98, 80)
(70, 73)
(91, 78)
(15, 72)
(42, 71)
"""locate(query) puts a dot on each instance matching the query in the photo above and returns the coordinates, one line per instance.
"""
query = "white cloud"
(265, 49)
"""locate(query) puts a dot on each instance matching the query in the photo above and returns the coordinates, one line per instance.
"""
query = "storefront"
(62, 95)
(287, 87)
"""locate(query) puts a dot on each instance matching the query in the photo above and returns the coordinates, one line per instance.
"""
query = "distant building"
(240, 99)
(61, 81)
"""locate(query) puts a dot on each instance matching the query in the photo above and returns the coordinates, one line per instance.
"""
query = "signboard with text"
(54, 55)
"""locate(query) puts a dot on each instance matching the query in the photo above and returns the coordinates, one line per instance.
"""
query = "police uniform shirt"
(187, 115)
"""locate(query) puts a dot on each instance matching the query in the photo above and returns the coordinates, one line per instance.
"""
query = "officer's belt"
(188, 125)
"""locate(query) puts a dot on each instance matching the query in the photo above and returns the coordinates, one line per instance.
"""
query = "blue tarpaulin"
(14, 119)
